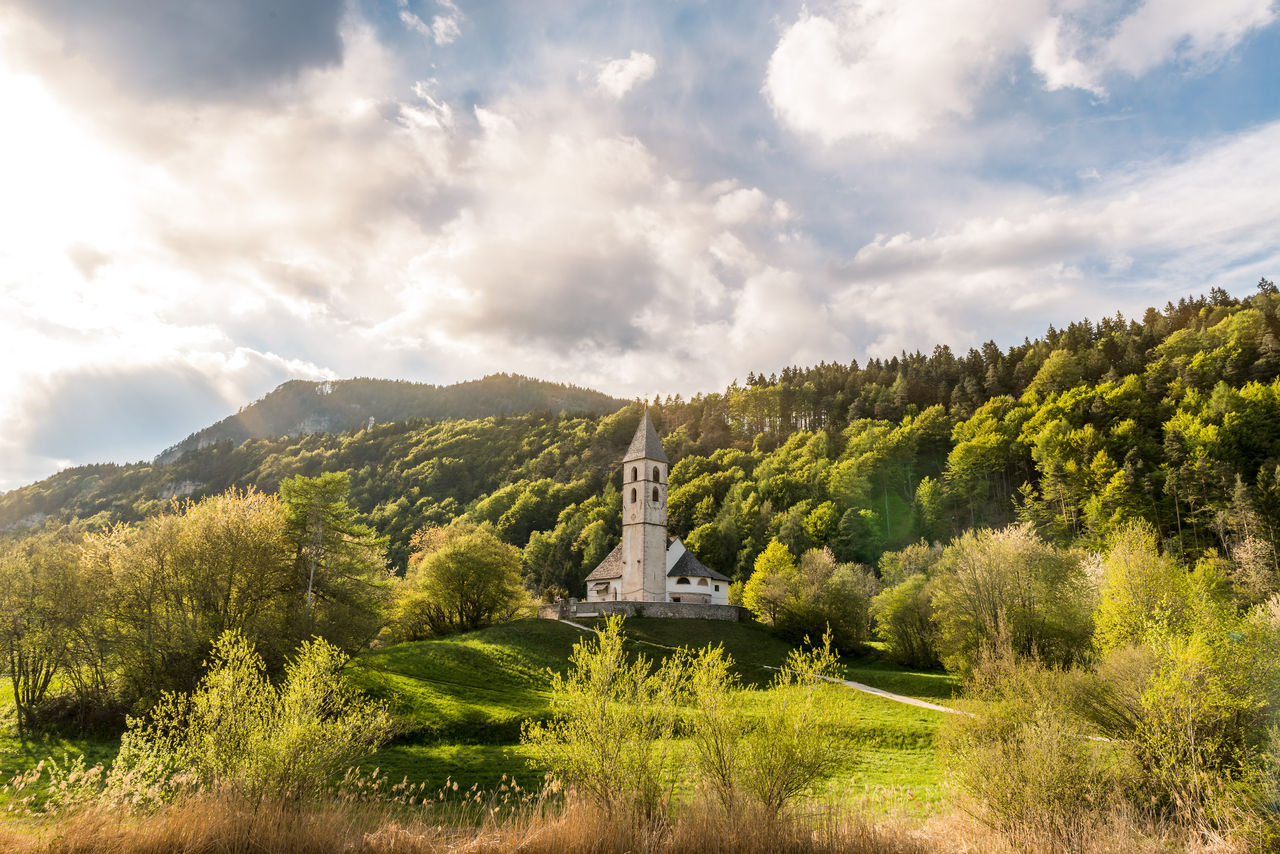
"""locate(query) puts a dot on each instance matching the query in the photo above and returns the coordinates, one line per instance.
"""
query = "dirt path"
(897, 698)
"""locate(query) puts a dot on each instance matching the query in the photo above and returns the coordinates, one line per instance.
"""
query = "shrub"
(1021, 759)
(759, 762)
(1039, 593)
(809, 598)
(460, 578)
(904, 621)
(1203, 729)
(239, 732)
(1143, 591)
(782, 758)
(613, 718)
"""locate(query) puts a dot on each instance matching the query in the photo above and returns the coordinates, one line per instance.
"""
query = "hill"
(464, 698)
(299, 407)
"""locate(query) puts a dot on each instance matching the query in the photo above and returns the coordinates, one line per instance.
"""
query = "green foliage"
(1145, 594)
(768, 591)
(613, 718)
(461, 578)
(1020, 759)
(1204, 715)
(768, 760)
(238, 731)
(1168, 420)
(130, 612)
(176, 584)
(782, 758)
(821, 596)
(1010, 580)
(47, 606)
(905, 622)
(341, 558)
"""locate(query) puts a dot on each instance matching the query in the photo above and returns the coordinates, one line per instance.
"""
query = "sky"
(200, 200)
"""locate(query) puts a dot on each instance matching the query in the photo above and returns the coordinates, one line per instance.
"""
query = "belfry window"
(633, 495)
(655, 493)
(655, 475)
(635, 473)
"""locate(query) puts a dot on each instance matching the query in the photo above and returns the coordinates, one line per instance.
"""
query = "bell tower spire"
(644, 516)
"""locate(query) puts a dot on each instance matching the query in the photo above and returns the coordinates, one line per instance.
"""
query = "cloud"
(116, 412)
(1183, 31)
(395, 212)
(1164, 227)
(864, 69)
(742, 205)
(197, 49)
(891, 70)
(617, 77)
(445, 28)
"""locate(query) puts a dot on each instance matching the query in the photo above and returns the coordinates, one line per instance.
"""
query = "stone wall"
(573, 609)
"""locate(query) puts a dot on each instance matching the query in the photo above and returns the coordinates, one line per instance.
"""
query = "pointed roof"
(645, 445)
(681, 561)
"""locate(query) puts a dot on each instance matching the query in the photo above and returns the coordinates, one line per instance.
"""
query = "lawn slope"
(463, 699)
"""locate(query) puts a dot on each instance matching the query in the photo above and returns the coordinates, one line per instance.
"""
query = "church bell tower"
(644, 517)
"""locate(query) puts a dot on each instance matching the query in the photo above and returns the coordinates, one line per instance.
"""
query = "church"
(648, 566)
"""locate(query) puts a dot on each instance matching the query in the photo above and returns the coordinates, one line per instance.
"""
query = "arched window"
(656, 477)
(633, 495)
(683, 580)
(702, 582)
(655, 493)
(635, 473)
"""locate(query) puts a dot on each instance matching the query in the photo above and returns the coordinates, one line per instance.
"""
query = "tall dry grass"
(222, 825)
(209, 824)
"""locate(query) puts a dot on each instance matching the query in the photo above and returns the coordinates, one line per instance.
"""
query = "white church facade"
(648, 566)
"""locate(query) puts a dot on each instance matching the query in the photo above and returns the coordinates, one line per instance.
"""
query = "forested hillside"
(1174, 419)
(300, 407)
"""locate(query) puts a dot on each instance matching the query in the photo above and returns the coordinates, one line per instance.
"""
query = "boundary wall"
(571, 608)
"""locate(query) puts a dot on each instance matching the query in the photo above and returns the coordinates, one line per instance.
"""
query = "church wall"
(694, 592)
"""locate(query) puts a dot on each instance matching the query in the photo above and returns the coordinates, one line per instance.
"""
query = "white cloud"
(1190, 31)
(894, 71)
(617, 77)
(444, 28)
(891, 70)
(740, 205)
(1165, 227)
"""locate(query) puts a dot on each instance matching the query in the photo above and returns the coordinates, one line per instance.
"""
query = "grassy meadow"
(462, 700)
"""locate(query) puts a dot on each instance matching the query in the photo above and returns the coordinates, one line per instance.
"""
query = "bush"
(1010, 580)
(460, 578)
(238, 732)
(904, 621)
(1021, 758)
(1143, 591)
(609, 737)
(812, 597)
(1203, 729)
(764, 763)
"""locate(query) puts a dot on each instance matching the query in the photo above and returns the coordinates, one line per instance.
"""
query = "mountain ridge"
(304, 407)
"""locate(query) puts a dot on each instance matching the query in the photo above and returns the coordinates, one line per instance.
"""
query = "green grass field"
(463, 699)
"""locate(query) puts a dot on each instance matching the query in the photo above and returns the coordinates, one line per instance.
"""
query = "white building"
(647, 566)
